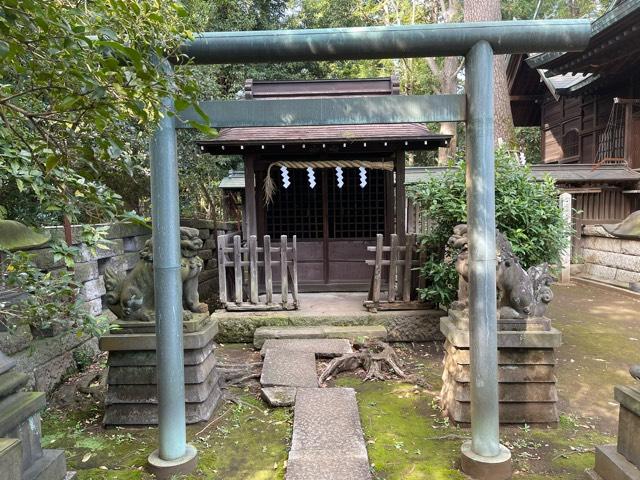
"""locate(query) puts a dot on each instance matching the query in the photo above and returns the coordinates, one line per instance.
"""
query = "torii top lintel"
(398, 41)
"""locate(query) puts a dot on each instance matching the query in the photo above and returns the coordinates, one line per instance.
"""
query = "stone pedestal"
(526, 370)
(131, 381)
(622, 461)
(21, 455)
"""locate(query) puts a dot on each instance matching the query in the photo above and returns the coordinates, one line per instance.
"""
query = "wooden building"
(587, 105)
(341, 185)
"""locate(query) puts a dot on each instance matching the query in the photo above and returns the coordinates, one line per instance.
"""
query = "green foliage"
(49, 299)
(83, 358)
(527, 212)
(78, 81)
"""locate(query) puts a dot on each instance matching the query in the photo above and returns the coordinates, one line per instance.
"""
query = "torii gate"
(483, 456)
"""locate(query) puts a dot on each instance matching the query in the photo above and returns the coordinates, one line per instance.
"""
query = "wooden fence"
(239, 267)
(402, 276)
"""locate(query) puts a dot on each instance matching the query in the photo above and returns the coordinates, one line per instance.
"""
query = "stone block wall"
(609, 258)
(48, 360)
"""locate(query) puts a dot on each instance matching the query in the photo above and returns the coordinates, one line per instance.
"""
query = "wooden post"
(268, 280)
(294, 272)
(565, 256)
(628, 133)
(400, 197)
(237, 268)
(377, 270)
(393, 260)
(253, 268)
(408, 261)
(284, 279)
(250, 194)
(222, 269)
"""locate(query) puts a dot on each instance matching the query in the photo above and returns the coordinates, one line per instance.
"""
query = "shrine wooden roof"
(319, 138)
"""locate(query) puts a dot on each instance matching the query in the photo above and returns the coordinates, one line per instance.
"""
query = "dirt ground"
(407, 436)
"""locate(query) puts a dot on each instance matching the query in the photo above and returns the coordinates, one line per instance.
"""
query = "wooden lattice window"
(570, 144)
(356, 212)
(296, 210)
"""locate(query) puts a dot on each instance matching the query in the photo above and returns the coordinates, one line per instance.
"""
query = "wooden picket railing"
(235, 259)
(402, 280)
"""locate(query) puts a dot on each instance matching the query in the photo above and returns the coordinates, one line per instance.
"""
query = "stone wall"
(609, 258)
(48, 360)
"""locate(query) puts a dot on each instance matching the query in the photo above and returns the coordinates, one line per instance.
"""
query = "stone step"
(16, 408)
(327, 438)
(321, 347)
(353, 333)
(10, 458)
(11, 382)
(284, 368)
(279, 396)
(50, 466)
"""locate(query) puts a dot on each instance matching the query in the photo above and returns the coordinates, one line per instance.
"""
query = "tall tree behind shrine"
(485, 11)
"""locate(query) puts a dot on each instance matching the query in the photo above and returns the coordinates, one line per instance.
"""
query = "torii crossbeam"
(483, 456)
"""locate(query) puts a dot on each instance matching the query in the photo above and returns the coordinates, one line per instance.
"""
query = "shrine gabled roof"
(402, 136)
(614, 39)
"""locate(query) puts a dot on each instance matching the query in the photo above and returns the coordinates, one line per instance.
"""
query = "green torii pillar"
(483, 456)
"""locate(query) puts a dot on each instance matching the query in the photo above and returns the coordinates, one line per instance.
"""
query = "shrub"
(48, 299)
(527, 212)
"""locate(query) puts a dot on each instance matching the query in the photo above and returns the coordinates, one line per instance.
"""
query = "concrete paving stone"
(356, 333)
(279, 396)
(289, 369)
(263, 333)
(321, 347)
(327, 420)
(328, 466)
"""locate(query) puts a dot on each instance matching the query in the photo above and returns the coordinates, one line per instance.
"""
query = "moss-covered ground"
(245, 441)
(407, 436)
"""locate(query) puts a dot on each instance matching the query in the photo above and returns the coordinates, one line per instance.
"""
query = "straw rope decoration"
(270, 186)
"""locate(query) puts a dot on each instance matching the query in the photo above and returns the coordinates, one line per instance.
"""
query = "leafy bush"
(527, 212)
(49, 299)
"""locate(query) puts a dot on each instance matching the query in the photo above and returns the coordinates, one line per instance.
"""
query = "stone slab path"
(321, 347)
(327, 443)
(288, 368)
(354, 333)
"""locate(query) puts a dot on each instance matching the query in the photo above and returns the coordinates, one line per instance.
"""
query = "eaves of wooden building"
(587, 105)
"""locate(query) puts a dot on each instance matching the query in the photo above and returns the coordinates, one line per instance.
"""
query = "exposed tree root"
(375, 358)
(238, 374)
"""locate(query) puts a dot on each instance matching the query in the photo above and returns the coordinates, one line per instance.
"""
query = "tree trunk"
(489, 10)
(449, 85)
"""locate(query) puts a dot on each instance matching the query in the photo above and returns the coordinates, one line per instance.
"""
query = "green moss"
(251, 442)
(248, 441)
(407, 438)
(404, 433)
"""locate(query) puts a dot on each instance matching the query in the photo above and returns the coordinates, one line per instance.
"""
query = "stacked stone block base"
(622, 461)
(131, 381)
(526, 372)
(21, 455)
